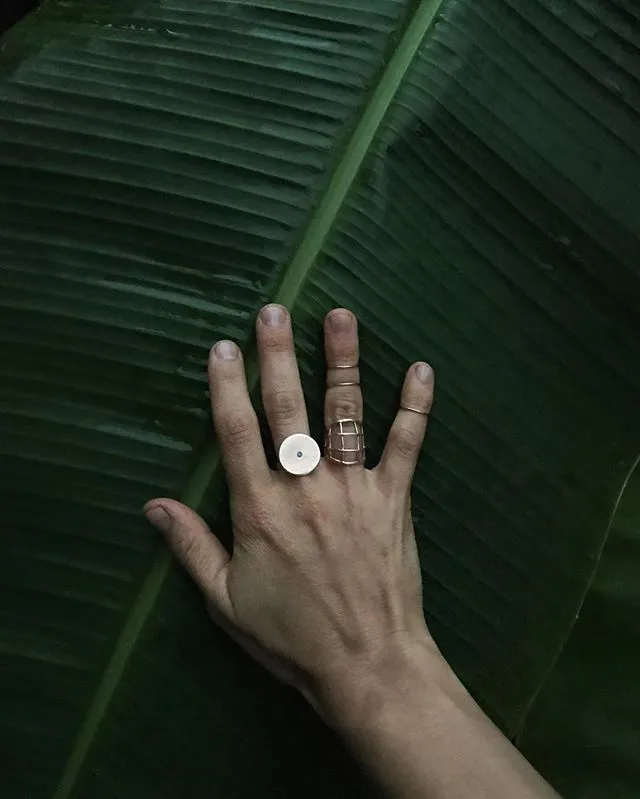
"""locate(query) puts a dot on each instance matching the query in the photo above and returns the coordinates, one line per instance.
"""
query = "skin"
(324, 585)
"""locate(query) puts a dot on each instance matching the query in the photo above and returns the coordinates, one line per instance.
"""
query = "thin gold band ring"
(414, 410)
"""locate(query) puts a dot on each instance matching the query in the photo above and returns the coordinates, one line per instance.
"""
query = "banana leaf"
(582, 731)
(463, 175)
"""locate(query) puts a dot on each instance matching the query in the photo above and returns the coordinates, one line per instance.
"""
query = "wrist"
(353, 696)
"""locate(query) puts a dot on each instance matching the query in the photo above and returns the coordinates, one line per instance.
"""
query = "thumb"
(195, 546)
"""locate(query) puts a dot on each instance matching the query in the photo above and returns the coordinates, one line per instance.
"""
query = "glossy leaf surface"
(582, 732)
(464, 176)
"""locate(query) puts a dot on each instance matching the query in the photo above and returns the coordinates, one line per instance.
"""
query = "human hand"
(324, 583)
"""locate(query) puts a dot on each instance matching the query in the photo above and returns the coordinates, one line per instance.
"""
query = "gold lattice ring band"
(344, 442)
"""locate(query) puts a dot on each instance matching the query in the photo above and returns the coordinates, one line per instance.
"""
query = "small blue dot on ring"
(298, 454)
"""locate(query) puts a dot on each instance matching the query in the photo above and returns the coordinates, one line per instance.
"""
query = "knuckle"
(228, 377)
(344, 351)
(350, 353)
(417, 399)
(404, 441)
(189, 550)
(252, 514)
(345, 407)
(235, 430)
(276, 341)
(284, 405)
(312, 509)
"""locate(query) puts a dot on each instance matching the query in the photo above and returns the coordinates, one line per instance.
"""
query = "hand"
(324, 586)
(324, 583)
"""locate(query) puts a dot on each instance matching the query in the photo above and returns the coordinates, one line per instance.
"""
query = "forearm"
(416, 729)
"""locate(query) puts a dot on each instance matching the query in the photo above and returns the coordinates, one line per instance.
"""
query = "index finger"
(235, 419)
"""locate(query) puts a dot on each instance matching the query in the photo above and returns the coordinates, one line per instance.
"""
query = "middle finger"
(282, 395)
(343, 398)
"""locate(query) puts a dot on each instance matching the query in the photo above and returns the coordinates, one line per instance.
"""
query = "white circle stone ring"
(299, 454)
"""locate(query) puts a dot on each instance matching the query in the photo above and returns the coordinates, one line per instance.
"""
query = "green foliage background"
(583, 729)
(464, 176)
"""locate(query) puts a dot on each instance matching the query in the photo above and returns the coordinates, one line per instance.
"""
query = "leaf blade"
(116, 180)
(580, 732)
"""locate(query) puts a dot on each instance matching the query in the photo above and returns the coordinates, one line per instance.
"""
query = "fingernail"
(226, 350)
(423, 372)
(341, 321)
(158, 516)
(273, 315)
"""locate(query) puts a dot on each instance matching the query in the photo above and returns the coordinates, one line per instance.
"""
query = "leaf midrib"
(293, 278)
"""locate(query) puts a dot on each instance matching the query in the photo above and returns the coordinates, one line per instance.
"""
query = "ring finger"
(343, 398)
(282, 395)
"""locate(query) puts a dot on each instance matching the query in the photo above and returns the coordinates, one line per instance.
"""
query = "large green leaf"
(582, 732)
(464, 176)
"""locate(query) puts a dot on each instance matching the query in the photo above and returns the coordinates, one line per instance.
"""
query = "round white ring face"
(299, 454)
